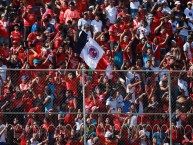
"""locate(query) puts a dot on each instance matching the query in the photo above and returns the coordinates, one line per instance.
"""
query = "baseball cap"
(189, 3)
(89, 78)
(71, 4)
(29, 7)
(191, 60)
(24, 77)
(36, 61)
(189, 37)
(164, 1)
(177, 3)
(3, 15)
(95, 139)
(173, 41)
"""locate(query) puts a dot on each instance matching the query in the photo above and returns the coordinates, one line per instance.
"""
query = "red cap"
(191, 96)
(183, 117)
(29, 7)
(191, 60)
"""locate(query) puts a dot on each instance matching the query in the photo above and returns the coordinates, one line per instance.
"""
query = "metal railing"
(100, 97)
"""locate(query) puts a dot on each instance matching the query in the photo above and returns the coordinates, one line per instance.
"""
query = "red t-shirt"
(115, 31)
(74, 61)
(62, 11)
(29, 19)
(104, 45)
(157, 51)
(3, 32)
(82, 5)
(126, 55)
(16, 36)
(72, 85)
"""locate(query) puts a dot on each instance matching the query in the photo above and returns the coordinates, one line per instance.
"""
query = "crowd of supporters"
(150, 40)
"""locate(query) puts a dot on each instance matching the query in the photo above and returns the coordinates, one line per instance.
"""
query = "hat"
(92, 134)
(89, 78)
(16, 53)
(35, 61)
(189, 37)
(173, 41)
(24, 77)
(88, 119)
(71, 4)
(3, 15)
(168, 54)
(151, 17)
(164, 1)
(94, 108)
(191, 60)
(108, 134)
(29, 7)
(95, 139)
(49, 4)
(148, 45)
(85, 13)
(177, 3)
(189, 3)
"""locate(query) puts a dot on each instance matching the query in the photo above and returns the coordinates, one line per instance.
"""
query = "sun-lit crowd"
(43, 80)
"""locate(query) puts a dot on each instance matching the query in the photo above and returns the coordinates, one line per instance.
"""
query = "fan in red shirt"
(72, 83)
(82, 5)
(156, 48)
(101, 41)
(29, 19)
(49, 11)
(16, 35)
(125, 44)
(63, 6)
(115, 33)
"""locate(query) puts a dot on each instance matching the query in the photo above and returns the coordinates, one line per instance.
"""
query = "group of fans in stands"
(151, 41)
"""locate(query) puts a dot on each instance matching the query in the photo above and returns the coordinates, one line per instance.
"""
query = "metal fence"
(96, 107)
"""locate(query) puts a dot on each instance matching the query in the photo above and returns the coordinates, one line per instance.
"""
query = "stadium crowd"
(150, 40)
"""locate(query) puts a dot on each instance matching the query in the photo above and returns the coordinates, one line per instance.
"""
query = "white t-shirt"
(78, 124)
(183, 85)
(113, 104)
(132, 92)
(189, 13)
(111, 14)
(166, 10)
(173, 25)
(97, 26)
(3, 70)
(142, 32)
(142, 140)
(130, 76)
(34, 142)
(2, 137)
(134, 5)
(82, 22)
(156, 69)
(89, 142)
(133, 121)
(187, 49)
(183, 31)
(120, 103)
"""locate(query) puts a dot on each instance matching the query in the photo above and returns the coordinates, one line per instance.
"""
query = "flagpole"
(84, 112)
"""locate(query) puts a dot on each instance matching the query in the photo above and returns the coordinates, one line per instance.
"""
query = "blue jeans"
(2, 143)
(133, 12)
(184, 38)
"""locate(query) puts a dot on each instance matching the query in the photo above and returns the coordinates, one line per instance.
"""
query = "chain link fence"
(96, 107)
